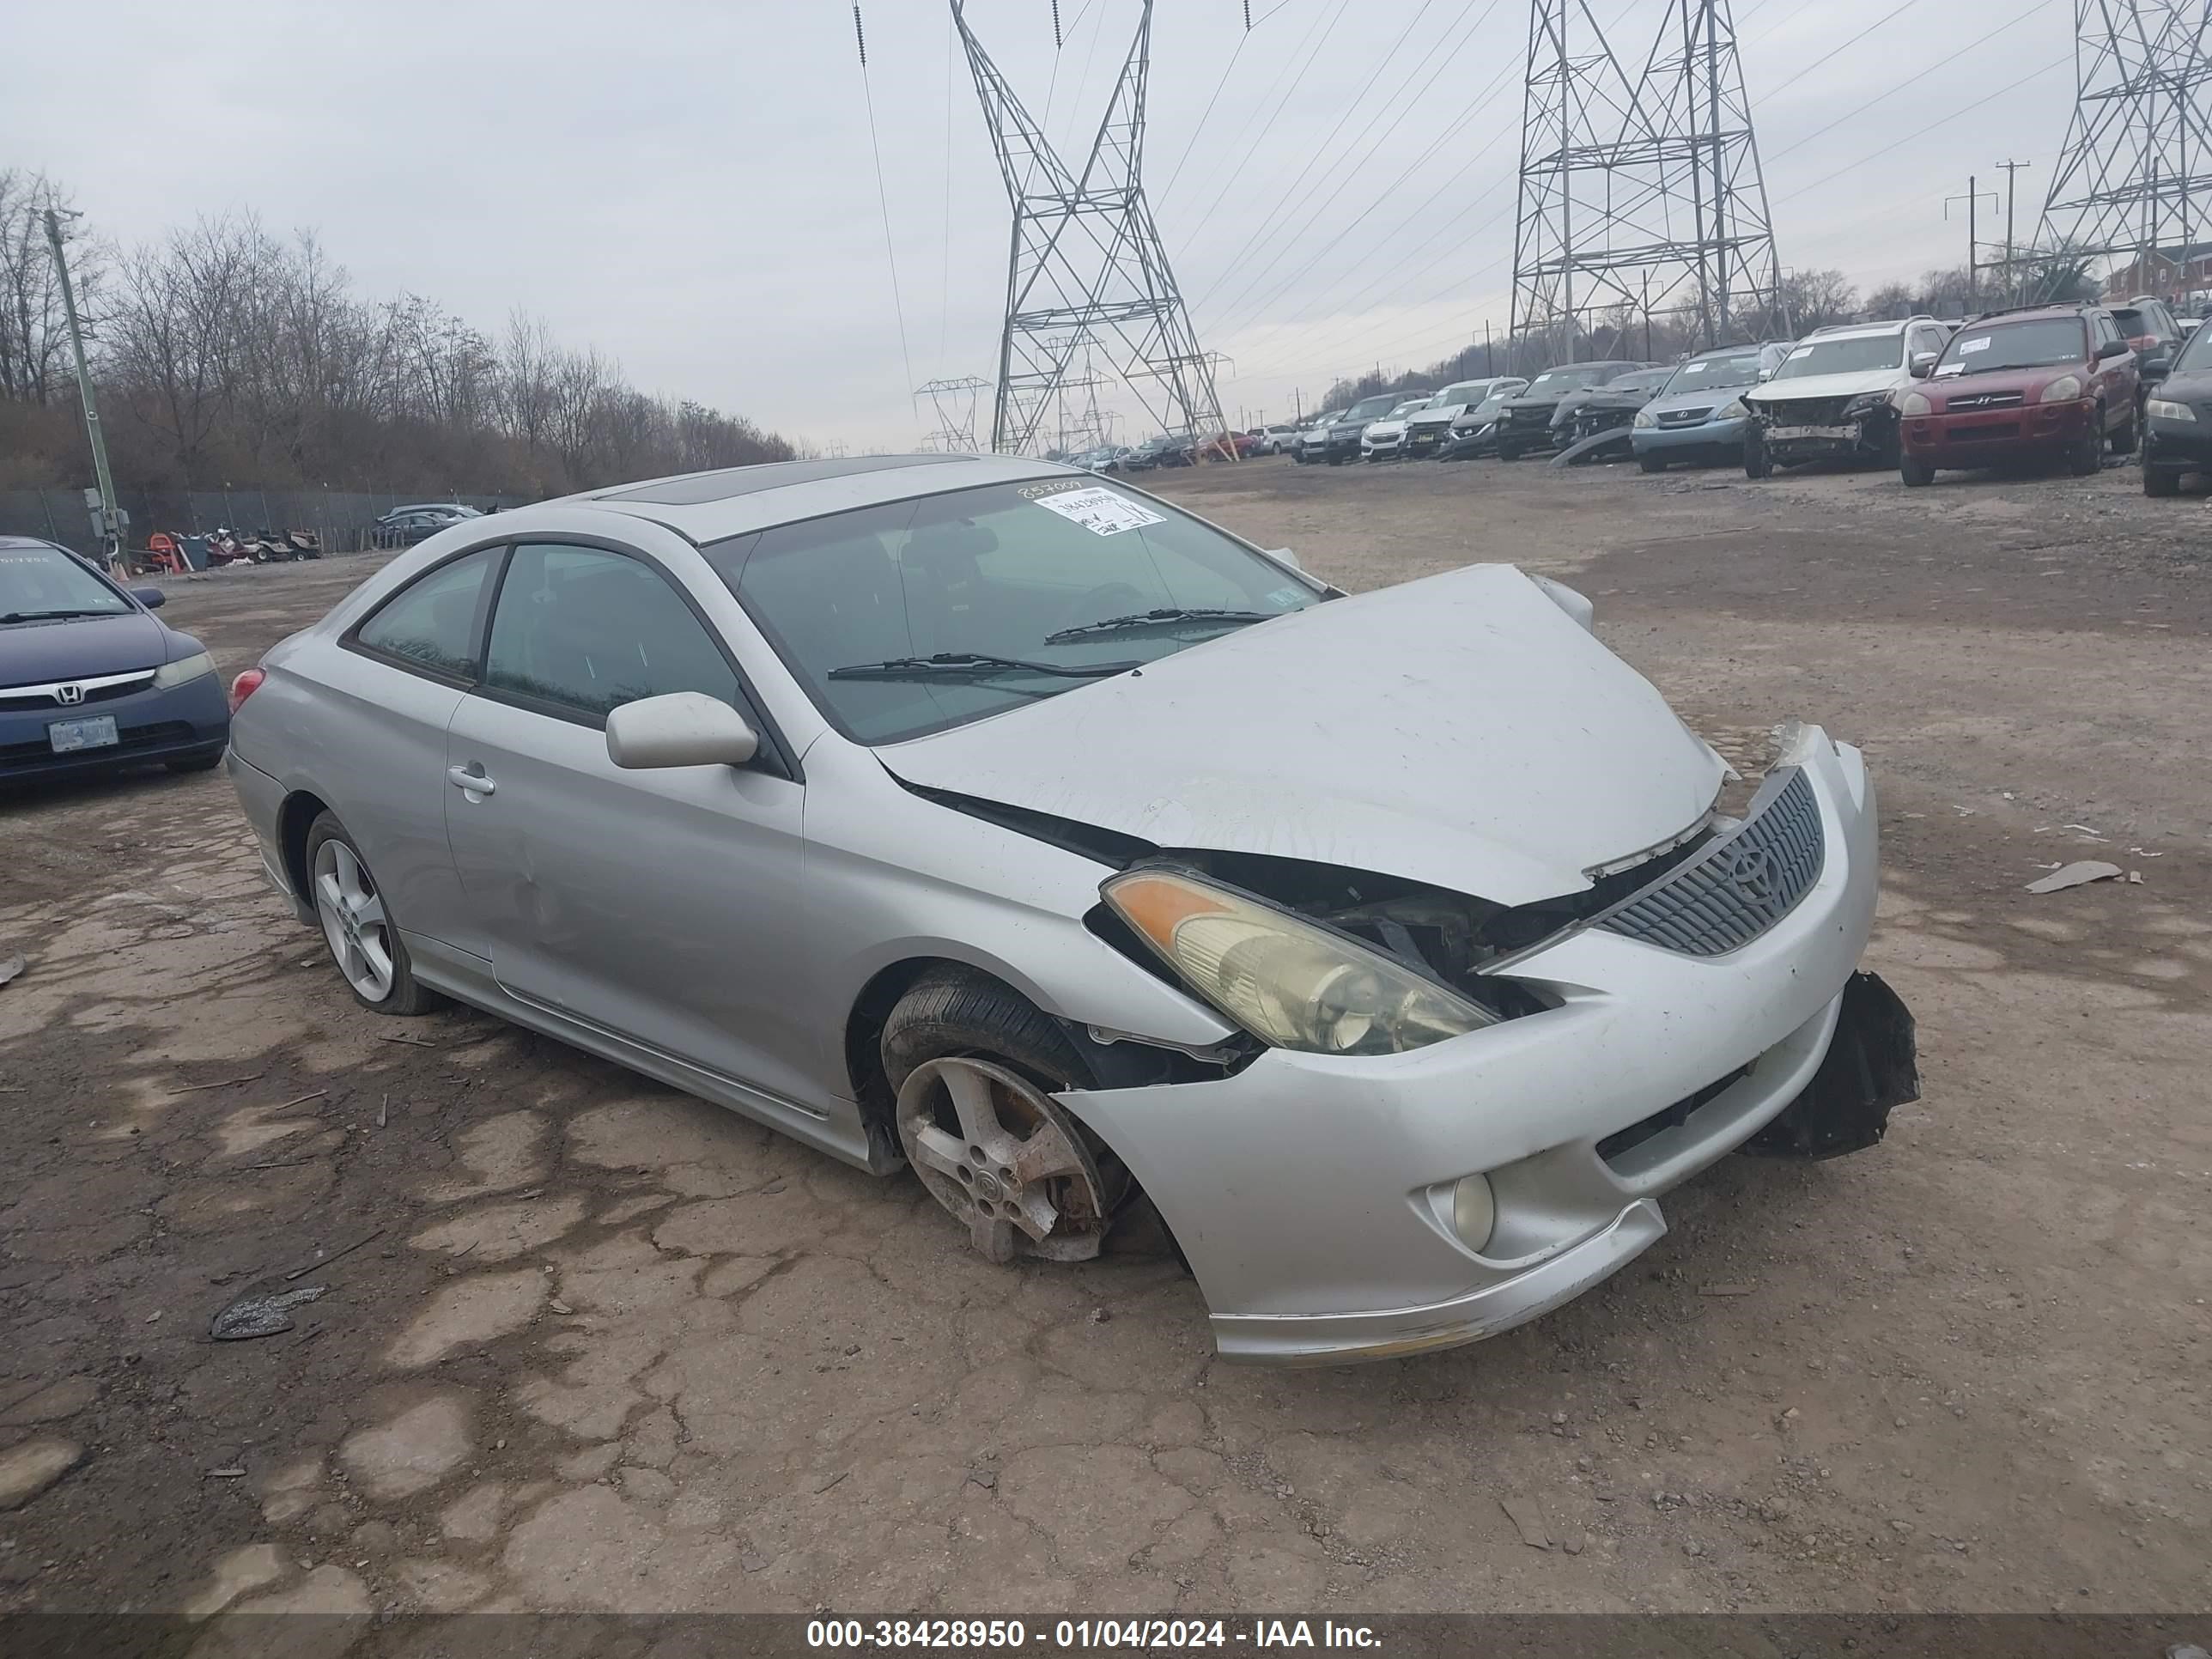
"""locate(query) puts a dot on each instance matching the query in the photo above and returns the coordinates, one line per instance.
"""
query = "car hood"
(1440, 415)
(1461, 731)
(1718, 397)
(81, 648)
(1609, 399)
(1853, 384)
(2027, 381)
(1387, 428)
(2194, 386)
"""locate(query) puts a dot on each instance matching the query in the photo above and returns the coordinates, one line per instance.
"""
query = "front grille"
(1531, 419)
(1961, 434)
(128, 739)
(1740, 886)
(1667, 1117)
(20, 699)
(1685, 416)
(1985, 400)
(1806, 411)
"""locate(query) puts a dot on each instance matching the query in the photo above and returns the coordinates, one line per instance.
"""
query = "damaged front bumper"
(1312, 1193)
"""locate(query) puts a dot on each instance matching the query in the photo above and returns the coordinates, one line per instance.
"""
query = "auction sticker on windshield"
(1101, 512)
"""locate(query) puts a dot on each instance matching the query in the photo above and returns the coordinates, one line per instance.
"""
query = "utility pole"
(1972, 199)
(2012, 275)
(111, 521)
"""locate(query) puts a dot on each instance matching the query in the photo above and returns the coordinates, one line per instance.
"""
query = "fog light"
(1474, 1212)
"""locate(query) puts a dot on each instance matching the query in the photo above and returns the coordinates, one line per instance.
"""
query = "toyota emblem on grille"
(1752, 872)
(69, 693)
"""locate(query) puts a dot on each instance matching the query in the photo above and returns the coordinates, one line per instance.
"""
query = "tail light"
(245, 686)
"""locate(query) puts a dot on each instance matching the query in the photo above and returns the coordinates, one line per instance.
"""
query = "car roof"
(732, 500)
(28, 541)
(2030, 313)
(1864, 330)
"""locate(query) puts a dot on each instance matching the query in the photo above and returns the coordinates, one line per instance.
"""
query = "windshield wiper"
(972, 664)
(1167, 619)
(53, 616)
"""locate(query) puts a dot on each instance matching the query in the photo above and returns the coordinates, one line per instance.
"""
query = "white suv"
(1833, 397)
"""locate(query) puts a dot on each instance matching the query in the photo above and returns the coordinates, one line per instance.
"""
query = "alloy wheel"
(353, 922)
(1004, 1159)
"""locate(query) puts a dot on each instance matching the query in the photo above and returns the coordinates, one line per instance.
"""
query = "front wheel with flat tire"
(1651, 463)
(2131, 433)
(1757, 463)
(363, 940)
(2085, 456)
(2161, 480)
(1916, 473)
(975, 1066)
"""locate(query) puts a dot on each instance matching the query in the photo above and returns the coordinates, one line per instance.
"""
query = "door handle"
(475, 783)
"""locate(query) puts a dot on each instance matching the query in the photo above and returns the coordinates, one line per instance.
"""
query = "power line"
(944, 268)
(1857, 110)
(1268, 101)
(1204, 115)
(1343, 344)
(1413, 102)
(1921, 132)
(1890, 17)
(1312, 182)
(1407, 278)
(883, 195)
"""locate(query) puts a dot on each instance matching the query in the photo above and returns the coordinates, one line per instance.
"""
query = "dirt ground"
(595, 1345)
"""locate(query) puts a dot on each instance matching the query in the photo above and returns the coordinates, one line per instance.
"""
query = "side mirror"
(1923, 364)
(2110, 348)
(152, 598)
(1765, 374)
(683, 729)
(2154, 369)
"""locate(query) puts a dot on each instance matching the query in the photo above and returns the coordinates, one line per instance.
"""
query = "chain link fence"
(342, 518)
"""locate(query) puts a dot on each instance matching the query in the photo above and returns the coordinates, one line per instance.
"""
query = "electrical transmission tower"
(1640, 194)
(1087, 269)
(2132, 178)
(953, 402)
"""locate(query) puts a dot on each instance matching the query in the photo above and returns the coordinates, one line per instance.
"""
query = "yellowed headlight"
(1289, 982)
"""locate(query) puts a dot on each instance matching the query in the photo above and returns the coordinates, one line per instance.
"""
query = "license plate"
(67, 737)
(1778, 434)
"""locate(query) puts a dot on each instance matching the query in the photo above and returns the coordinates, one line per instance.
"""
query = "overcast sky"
(692, 187)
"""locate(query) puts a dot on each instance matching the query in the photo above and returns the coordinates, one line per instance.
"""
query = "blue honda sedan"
(90, 679)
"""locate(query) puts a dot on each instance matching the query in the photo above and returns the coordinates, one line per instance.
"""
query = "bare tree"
(227, 352)
(34, 349)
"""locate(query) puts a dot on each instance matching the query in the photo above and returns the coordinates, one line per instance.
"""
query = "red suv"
(2042, 382)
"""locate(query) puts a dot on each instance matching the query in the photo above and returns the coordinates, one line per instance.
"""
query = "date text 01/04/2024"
(1093, 1634)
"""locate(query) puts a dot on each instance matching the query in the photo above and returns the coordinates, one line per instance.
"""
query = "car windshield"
(1985, 347)
(1004, 572)
(1644, 380)
(1857, 354)
(2196, 351)
(1714, 373)
(1471, 391)
(1556, 382)
(43, 582)
(1372, 409)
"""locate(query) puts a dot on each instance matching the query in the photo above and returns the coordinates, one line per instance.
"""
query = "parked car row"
(2063, 384)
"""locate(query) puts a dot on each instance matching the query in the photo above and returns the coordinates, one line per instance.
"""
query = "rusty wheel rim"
(1004, 1159)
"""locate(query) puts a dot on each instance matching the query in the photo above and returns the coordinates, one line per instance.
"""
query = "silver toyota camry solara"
(977, 816)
